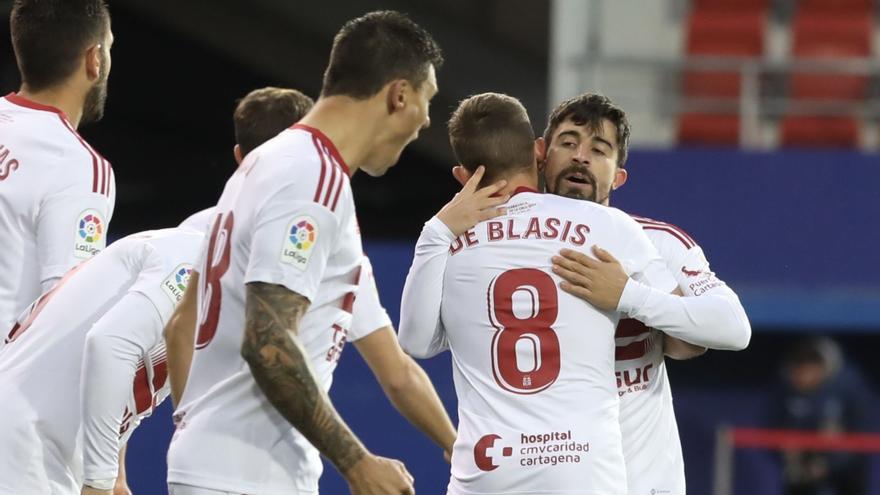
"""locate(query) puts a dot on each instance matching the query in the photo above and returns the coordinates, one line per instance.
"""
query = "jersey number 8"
(525, 349)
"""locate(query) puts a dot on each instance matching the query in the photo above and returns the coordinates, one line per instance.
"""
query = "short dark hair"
(590, 109)
(375, 49)
(265, 112)
(492, 130)
(49, 36)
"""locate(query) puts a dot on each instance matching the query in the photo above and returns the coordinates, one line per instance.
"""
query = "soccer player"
(532, 365)
(258, 117)
(56, 191)
(280, 273)
(580, 163)
(86, 364)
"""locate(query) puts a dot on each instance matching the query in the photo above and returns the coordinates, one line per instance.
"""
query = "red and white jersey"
(56, 200)
(285, 217)
(651, 445)
(538, 410)
(87, 363)
(369, 315)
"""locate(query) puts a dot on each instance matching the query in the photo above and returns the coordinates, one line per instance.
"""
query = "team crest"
(90, 234)
(175, 284)
(299, 240)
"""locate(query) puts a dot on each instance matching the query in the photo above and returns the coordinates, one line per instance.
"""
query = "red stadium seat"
(736, 34)
(854, 7)
(708, 129)
(822, 35)
(820, 132)
(731, 5)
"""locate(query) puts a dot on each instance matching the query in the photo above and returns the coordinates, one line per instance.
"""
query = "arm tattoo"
(281, 369)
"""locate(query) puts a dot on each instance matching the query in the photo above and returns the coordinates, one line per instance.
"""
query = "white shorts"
(176, 489)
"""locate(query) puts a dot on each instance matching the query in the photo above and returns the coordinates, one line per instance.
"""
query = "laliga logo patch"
(90, 238)
(302, 233)
(175, 284)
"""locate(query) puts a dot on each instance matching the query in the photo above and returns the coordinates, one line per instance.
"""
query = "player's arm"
(716, 320)
(407, 386)
(421, 331)
(121, 487)
(281, 369)
(71, 227)
(405, 383)
(179, 337)
(114, 345)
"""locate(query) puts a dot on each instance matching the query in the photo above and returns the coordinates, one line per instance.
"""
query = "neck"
(59, 97)
(349, 123)
(528, 179)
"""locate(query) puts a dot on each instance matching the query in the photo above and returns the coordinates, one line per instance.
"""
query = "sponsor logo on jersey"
(541, 449)
(90, 238)
(299, 241)
(690, 273)
(175, 283)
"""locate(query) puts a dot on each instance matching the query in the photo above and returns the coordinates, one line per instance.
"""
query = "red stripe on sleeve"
(323, 170)
(330, 184)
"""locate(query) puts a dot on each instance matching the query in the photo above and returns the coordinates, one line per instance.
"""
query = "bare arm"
(121, 487)
(281, 369)
(681, 350)
(179, 339)
(407, 386)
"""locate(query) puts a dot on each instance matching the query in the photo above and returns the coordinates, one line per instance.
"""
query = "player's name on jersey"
(8, 163)
(512, 229)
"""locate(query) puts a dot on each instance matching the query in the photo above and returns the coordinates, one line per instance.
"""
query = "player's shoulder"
(665, 233)
(303, 160)
(45, 132)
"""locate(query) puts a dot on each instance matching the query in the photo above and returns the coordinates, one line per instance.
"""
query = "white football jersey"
(651, 445)
(285, 217)
(56, 200)
(538, 409)
(86, 363)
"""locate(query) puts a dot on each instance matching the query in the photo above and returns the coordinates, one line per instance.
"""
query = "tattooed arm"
(281, 369)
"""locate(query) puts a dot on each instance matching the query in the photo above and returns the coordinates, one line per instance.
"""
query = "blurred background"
(755, 128)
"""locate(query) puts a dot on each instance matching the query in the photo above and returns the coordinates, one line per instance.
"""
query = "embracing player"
(279, 276)
(586, 150)
(538, 411)
(56, 191)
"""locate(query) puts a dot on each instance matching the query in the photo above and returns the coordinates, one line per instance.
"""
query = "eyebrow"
(570, 133)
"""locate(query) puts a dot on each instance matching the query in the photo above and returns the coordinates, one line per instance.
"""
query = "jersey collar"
(326, 142)
(21, 101)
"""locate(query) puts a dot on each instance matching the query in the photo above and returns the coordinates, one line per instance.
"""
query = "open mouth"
(579, 178)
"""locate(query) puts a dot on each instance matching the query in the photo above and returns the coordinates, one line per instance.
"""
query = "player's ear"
(93, 62)
(396, 95)
(620, 176)
(540, 153)
(236, 152)
(461, 174)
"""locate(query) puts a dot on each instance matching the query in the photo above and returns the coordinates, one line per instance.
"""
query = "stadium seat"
(857, 7)
(731, 34)
(732, 5)
(708, 129)
(822, 35)
(820, 132)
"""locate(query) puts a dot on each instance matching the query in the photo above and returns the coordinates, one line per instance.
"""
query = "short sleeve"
(71, 227)
(291, 242)
(368, 313)
(166, 270)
